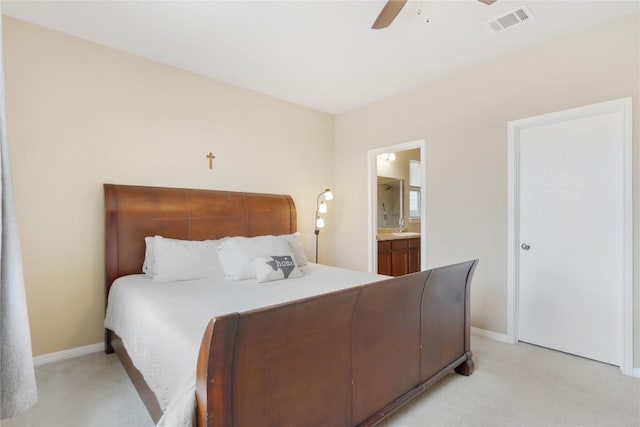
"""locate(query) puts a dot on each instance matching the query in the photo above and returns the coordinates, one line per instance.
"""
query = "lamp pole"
(321, 208)
(317, 231)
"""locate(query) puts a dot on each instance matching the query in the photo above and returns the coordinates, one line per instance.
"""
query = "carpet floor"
(513, 385)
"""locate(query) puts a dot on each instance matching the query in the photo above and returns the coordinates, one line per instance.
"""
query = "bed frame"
(345, 358)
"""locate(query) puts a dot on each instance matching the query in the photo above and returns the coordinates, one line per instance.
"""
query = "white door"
(571, 231)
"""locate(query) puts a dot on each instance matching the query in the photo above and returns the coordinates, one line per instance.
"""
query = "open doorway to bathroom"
(397, 209)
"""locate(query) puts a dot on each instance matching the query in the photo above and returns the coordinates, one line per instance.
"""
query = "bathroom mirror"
(390, 202)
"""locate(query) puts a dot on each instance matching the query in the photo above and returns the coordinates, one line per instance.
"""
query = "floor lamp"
(321, 208)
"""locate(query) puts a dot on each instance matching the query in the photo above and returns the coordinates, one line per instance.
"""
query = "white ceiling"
(321, 54)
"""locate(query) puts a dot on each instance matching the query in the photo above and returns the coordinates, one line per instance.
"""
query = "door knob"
(525, 246)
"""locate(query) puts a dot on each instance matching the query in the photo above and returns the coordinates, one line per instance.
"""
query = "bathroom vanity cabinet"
(398, 256)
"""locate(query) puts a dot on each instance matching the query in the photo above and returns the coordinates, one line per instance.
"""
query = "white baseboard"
(67, 354)
(495, 336)
(636, 372)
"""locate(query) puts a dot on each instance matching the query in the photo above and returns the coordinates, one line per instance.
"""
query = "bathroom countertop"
(397, 235)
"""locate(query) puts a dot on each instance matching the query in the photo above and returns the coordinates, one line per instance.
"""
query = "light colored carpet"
(525, 385)
(513, 385)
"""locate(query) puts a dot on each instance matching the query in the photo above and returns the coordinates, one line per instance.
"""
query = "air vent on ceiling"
(510, 19)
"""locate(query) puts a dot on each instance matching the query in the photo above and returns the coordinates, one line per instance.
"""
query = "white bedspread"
(161, 324)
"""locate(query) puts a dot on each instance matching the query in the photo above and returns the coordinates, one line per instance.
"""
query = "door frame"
(623, 107)
(373, 199)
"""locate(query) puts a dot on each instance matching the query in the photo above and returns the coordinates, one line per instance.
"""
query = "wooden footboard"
(347, 358)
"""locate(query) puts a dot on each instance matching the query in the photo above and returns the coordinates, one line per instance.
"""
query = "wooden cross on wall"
(210, 156)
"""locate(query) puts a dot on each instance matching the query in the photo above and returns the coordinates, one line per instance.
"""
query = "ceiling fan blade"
(489, 2)
(388, 13)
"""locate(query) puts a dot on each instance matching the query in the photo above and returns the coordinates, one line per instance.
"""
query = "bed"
(349, 354)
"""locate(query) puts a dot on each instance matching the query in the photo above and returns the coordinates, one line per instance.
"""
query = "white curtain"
(17, 381)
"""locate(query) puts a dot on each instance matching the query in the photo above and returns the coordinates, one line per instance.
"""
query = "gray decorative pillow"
(270, 268)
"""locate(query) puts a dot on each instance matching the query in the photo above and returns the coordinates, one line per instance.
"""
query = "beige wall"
(80, 115)
(464, 120)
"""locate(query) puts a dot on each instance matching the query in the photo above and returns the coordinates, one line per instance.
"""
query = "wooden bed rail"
(346, 358)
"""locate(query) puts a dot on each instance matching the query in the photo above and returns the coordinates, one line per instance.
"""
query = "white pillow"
(296, 248)
(147, 265)
(236, 254)
(292, 239)
(272, 268)
(149, 254)
(176, 260)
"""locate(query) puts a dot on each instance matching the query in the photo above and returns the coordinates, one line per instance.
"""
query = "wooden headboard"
(134, 212)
